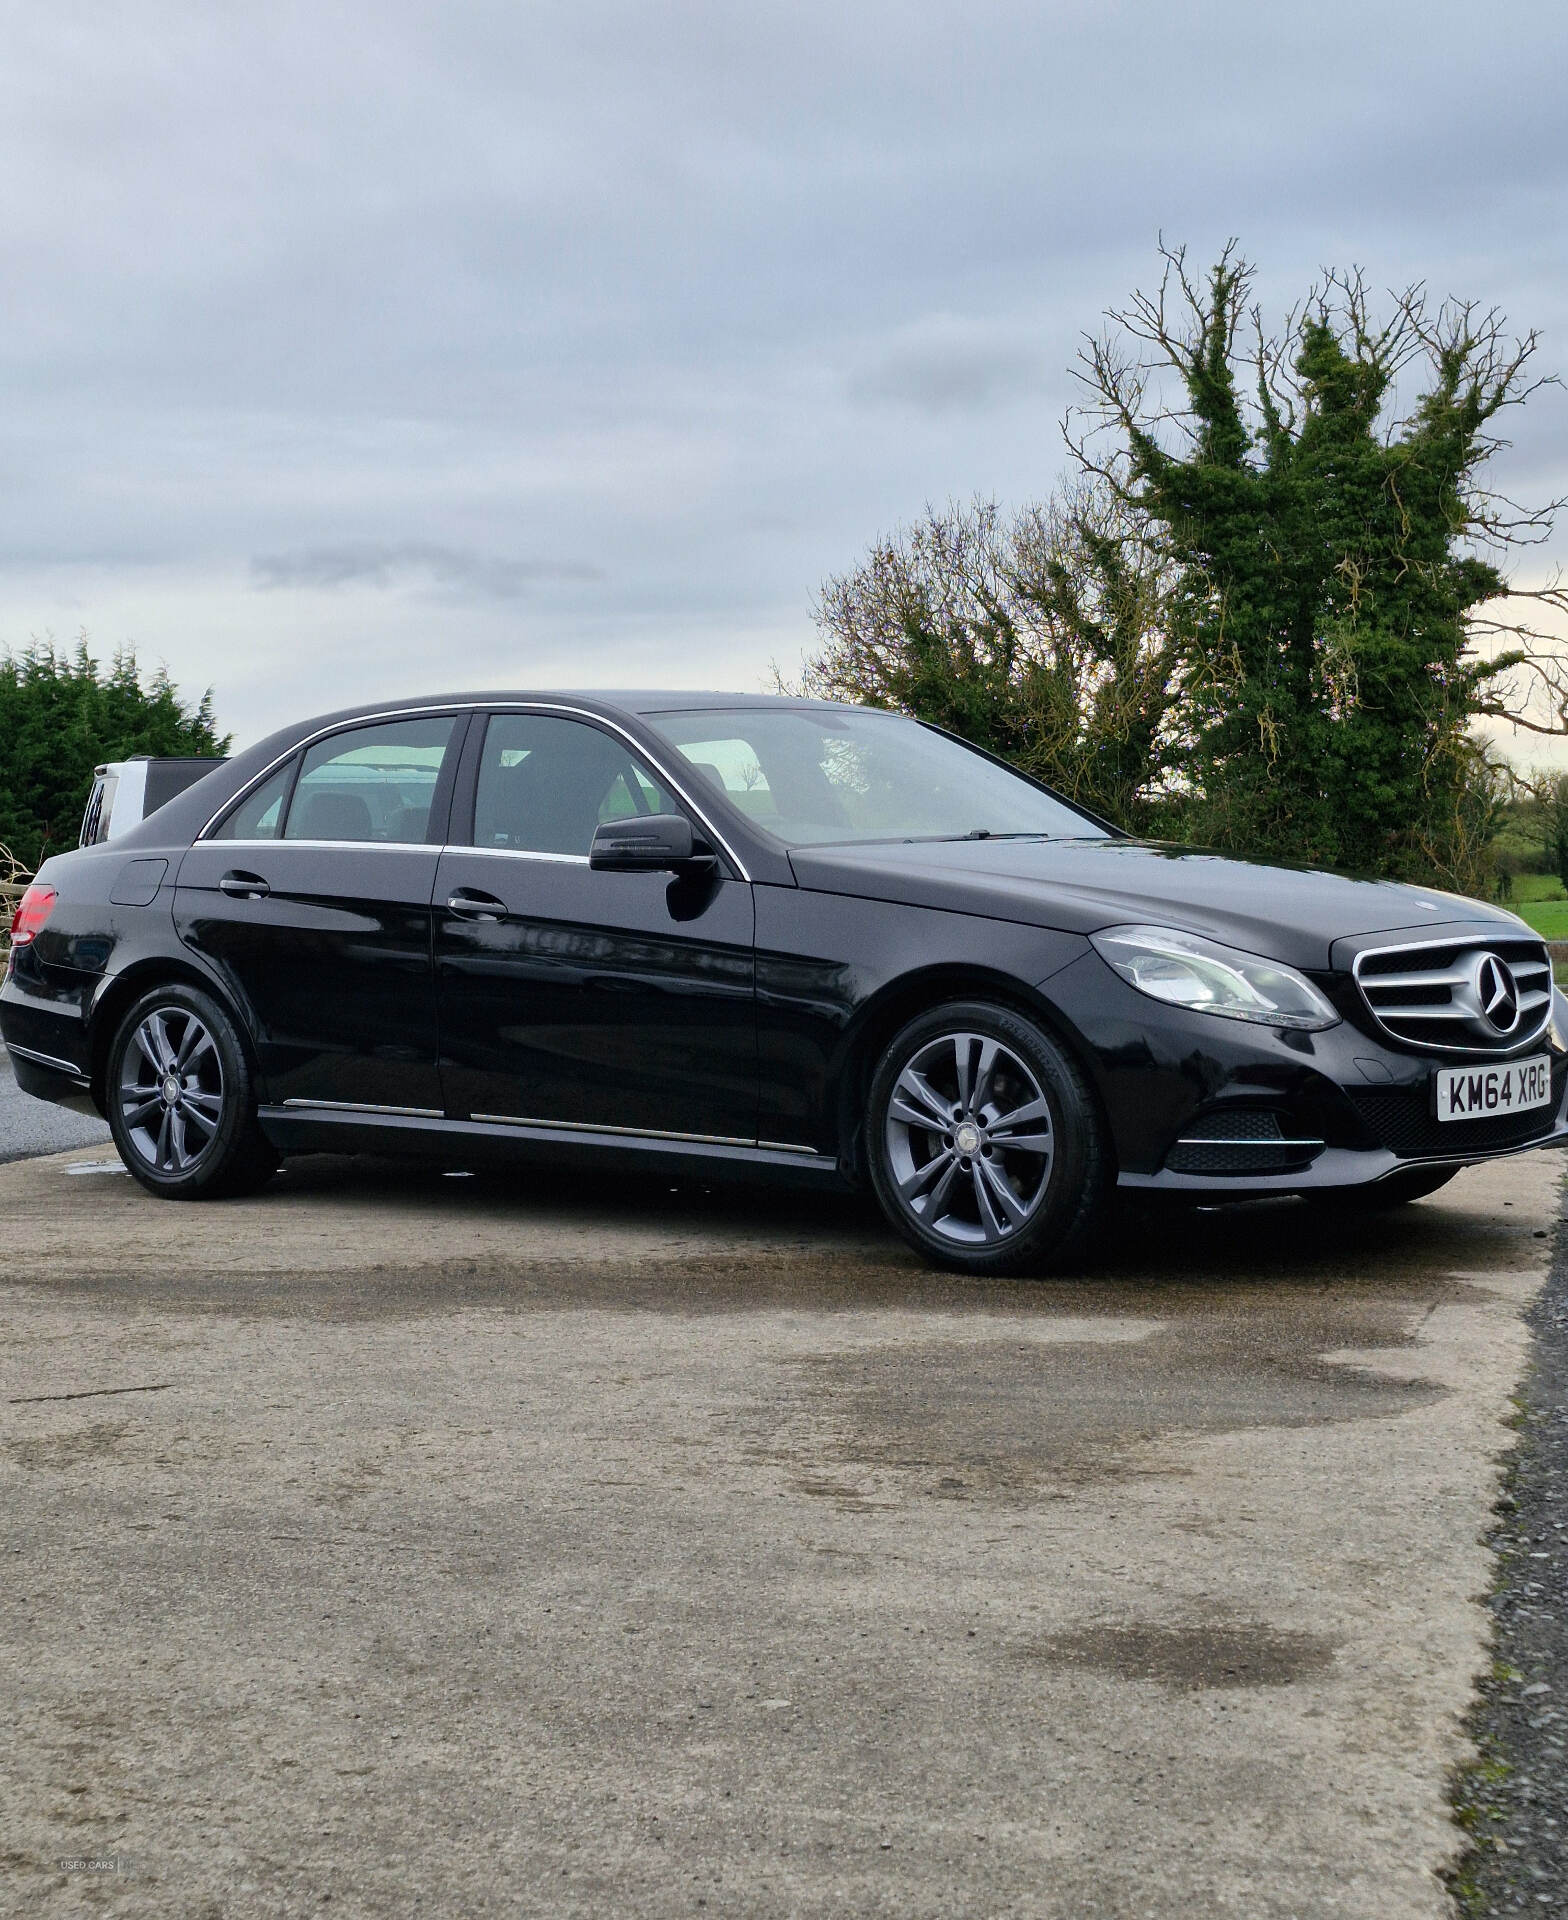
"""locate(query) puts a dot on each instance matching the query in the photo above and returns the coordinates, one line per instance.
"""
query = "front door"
(312, 900)
(611, 1001)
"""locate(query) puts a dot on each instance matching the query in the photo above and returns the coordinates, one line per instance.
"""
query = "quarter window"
(259, 815)
(545, 784)
(371, 783)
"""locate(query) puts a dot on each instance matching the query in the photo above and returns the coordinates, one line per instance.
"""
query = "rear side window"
(100, 805)
(373, 783)
(260, 814)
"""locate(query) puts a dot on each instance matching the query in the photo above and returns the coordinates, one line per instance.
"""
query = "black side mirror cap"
(649, 843)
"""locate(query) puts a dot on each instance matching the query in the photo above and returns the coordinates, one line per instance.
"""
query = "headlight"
(1186, 971)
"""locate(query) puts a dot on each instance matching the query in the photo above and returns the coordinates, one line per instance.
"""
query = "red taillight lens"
(32, 914)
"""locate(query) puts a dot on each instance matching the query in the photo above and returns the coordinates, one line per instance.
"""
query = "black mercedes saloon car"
(767, 937)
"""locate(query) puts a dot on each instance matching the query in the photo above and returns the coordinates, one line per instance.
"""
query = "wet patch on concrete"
(1240, 1653)
(1010, 1417)
(351, 1240)
(62, 1451)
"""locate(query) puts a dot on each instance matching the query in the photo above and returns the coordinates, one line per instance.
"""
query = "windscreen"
(816, 777)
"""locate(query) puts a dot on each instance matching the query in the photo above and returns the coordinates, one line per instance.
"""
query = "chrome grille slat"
(1439, 1007)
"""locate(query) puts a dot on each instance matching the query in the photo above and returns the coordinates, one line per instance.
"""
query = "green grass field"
(1539, 899)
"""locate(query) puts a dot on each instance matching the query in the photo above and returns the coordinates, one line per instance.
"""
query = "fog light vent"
(1241, 1142)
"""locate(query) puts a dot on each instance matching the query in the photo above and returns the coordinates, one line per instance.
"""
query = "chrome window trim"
(358, 846)
(1490, 940)
(472, 706)
(520, 853)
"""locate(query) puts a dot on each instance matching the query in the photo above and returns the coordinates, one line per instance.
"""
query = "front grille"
(1405, 1123)
(1460, 996)
(1249, 1140)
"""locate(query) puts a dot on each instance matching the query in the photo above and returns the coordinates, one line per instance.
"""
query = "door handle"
(468, 903)
(244, 886)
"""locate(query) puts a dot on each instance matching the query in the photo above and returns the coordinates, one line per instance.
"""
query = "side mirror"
(649, 843)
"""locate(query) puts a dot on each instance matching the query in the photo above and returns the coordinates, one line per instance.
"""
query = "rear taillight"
(32, 914)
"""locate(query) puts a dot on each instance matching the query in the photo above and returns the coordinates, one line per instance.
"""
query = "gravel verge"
(1513, 1798)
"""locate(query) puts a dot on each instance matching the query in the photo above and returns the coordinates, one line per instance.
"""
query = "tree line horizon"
(1260, 611)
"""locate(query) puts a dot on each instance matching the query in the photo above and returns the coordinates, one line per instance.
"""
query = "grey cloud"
(950, 368)
(707, 295)
(449, 569)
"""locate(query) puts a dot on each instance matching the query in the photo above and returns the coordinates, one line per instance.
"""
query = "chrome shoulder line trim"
(357, 1106)
(522, 853)
(431, 847)
(47, 1060)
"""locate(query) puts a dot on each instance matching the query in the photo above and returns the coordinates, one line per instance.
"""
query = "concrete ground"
(396, 1544)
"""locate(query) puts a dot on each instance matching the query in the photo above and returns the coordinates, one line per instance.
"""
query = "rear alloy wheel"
(984, 1145)
(181, 1100)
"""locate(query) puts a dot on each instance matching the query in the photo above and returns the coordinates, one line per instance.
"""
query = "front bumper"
(1361, 1108)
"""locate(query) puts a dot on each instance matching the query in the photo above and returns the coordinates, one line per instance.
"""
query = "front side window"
(546, 784)
(819, 776)
(260, 814)
(373, 783)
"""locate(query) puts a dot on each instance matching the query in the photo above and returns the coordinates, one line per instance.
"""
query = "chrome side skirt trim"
(47, 1060)
(594, 1126)
(355, 1106)
(320, 1118)
(534, 1125)
(641, 1133)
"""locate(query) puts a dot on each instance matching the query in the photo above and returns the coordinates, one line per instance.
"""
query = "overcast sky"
(362, 350)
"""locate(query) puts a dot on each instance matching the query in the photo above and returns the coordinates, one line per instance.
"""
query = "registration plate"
(1471, 1093)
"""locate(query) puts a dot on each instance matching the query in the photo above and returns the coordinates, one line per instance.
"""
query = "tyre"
(181, 1099)
(984, 1145)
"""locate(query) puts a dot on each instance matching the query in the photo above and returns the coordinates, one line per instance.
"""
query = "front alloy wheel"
(984, 1144)
(181, 1102)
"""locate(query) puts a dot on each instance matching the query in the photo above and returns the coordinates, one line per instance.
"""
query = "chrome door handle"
(244, 886)
(468, 903)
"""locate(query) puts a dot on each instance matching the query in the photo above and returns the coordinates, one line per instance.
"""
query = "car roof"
(639, 701)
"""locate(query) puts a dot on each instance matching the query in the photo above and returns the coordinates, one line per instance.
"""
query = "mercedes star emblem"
(1498, 993)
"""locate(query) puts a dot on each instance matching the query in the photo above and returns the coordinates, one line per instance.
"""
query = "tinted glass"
(258, 815)
(815, 778)
(545, 784)
(371, 783)
(100, 805)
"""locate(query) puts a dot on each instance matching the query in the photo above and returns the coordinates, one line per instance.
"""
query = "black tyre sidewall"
(1079, 1174)
(239, 1157)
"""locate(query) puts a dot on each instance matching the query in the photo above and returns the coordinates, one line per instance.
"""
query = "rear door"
(568, 998)
(312, 899)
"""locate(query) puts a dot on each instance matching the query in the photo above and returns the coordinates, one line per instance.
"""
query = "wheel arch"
(897, 1003)
(126, 987)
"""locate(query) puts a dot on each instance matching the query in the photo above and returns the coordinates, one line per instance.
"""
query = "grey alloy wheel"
(170, 1089)
(969, 1139)
(181, 1099)
(984, 1141)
